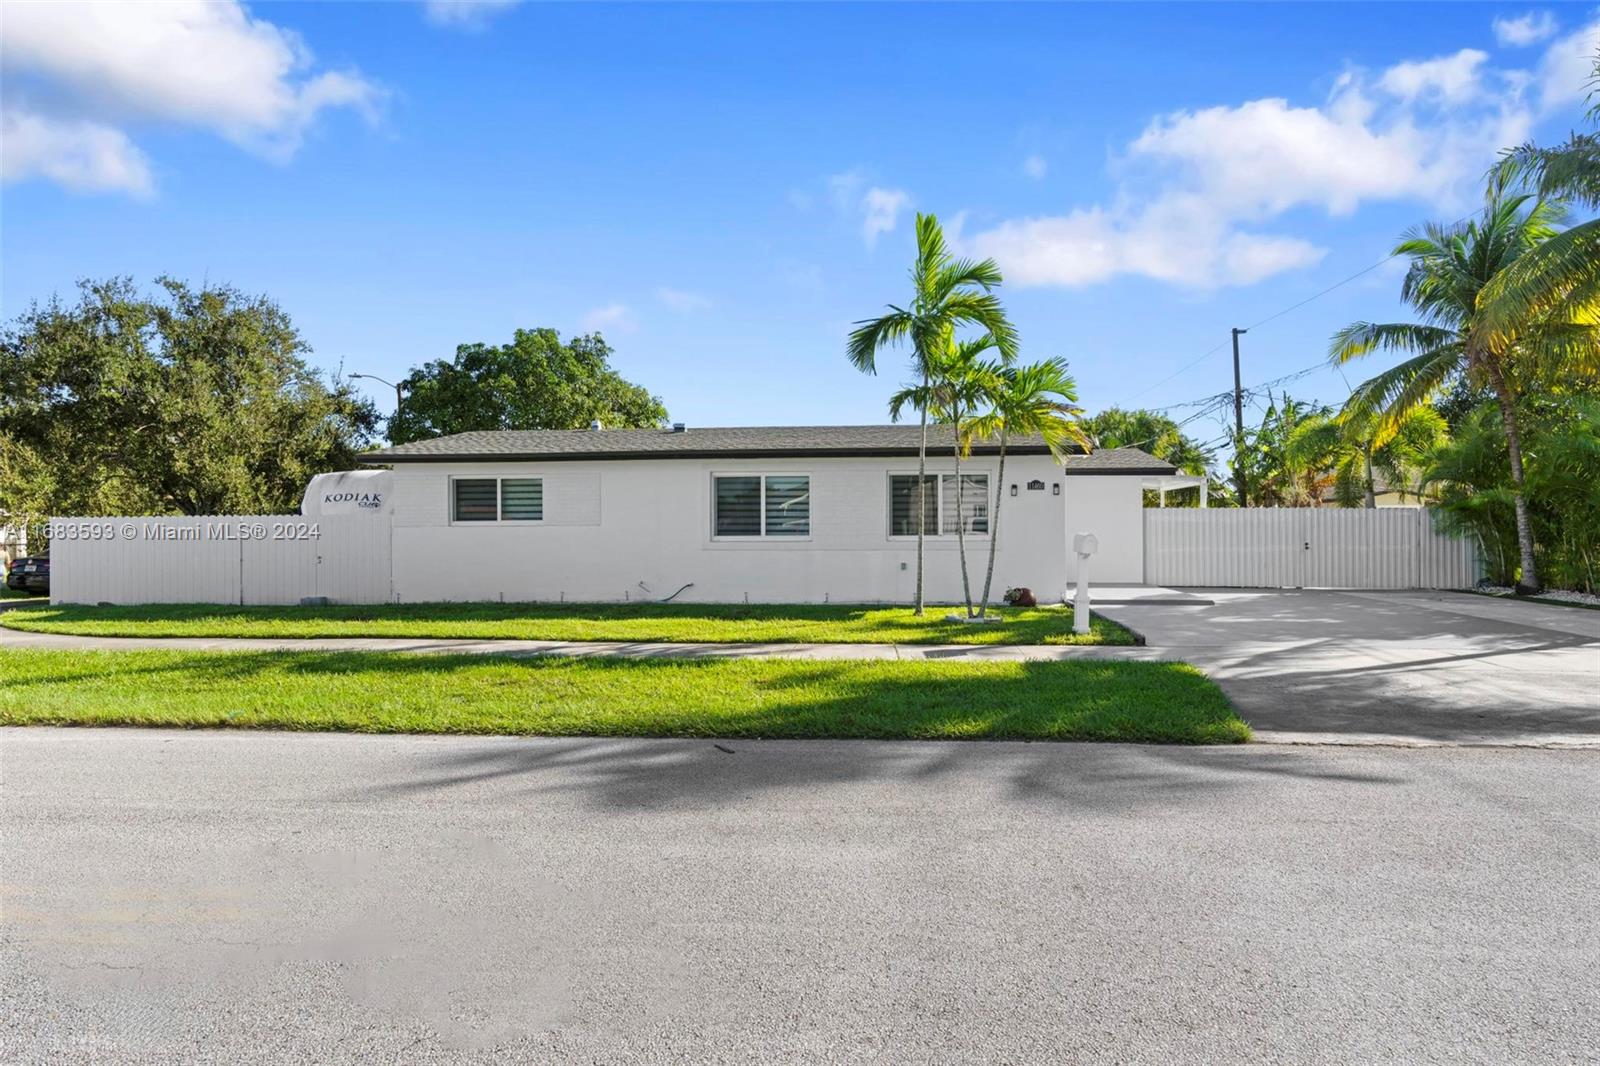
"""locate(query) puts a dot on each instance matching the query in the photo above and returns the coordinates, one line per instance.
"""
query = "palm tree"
(1559, 279)
(958, 382)
(1347, 447)
(947, 293)
(1451, 267)
(1039, 399)
(1282, 474)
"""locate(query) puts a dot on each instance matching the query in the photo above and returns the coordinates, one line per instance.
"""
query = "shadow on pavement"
(689, 774)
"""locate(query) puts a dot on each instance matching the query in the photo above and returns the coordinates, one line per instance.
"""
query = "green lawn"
(399, 693)
(671, 622)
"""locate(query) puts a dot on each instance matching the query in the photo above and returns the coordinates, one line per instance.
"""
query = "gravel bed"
(1586, 599)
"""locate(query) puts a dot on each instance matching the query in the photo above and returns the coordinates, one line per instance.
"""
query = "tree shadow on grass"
(384, 692)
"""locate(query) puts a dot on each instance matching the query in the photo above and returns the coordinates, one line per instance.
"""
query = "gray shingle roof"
(747, 442)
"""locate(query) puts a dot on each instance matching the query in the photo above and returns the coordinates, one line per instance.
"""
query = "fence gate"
(1304, 547)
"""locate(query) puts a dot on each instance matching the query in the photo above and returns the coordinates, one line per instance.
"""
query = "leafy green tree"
(1451, 269)
(190, 401)
(1150, 431)
(1037, 399)
(535, 382)
(1280, 473)
(946, 294)
(1470, 477)
(1153, 432)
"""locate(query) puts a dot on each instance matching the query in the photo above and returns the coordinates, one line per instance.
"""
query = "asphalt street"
(228, 897)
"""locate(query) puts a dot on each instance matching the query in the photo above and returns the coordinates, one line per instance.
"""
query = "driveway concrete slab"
(1314, 665)
(177, 896)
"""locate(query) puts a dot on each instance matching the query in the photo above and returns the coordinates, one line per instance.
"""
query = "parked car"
(30, 573)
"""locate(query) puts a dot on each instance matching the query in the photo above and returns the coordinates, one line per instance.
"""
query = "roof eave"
(388, 457)
(1068, 468)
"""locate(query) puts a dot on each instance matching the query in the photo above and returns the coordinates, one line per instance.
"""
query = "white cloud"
(682, 300)
(1567, 67)
(1199, 190)
(614, 316)
(1531, 28)
(845, 189)
(465, 14)
(83, 156)
(1454, 79)
(1176, 240)
(877, 207)
(1035, 167)
(186, 62)
(880, 210)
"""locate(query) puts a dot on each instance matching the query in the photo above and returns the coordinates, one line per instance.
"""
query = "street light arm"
(399, 397)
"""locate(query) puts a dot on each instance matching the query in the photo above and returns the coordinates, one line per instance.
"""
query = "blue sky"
(721, 190)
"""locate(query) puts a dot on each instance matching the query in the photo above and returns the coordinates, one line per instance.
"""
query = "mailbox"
(1085, 544)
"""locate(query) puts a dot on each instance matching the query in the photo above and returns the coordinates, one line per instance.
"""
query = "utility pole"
(1238, 422)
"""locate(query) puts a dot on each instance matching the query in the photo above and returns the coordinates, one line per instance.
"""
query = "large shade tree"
(1453, 273)
(187, 401)
(538, 381)
(947, 294)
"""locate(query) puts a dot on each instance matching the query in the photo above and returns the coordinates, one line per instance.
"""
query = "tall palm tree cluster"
(1506, 347)
(964, 364)
(1492, 415)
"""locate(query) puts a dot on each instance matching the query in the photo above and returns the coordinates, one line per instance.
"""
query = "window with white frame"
(497, 499)
(760, 505)
(943, 507)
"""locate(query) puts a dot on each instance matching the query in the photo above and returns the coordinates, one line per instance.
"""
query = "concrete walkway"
(1302, 666)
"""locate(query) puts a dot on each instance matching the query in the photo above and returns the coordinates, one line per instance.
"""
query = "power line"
(1208, 353)
(1324, 292)
(1177, 373)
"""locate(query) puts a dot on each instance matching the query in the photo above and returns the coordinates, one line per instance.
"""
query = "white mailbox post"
(1085, 544)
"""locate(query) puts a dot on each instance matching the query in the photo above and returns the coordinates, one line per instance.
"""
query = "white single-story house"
(798, 514)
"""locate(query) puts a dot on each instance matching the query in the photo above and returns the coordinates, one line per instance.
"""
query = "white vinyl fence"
(1304, 547)
(241, 559)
